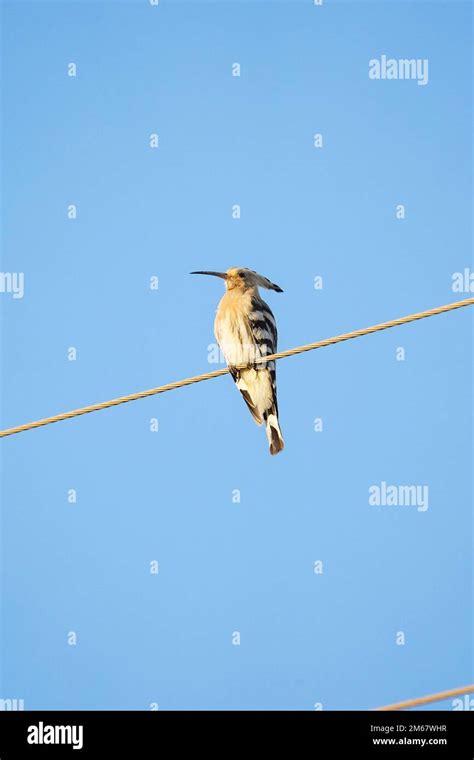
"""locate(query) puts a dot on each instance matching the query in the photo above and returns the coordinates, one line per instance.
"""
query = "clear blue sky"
(229, 567)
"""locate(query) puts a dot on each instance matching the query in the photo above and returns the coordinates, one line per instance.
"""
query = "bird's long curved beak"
(215, 274)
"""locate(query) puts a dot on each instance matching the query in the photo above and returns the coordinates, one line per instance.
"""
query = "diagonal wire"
(219, 372)
(429, 698)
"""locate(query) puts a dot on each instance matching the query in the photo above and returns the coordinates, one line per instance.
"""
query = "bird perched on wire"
(245, 329)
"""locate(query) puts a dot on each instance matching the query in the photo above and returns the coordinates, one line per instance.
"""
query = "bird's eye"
(242, 274)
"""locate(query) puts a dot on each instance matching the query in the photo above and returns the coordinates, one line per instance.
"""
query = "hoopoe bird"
(245, 330)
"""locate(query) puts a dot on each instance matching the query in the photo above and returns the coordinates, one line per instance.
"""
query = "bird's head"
(241, 278)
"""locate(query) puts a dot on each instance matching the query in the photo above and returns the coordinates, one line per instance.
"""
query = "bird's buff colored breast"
(232, 330)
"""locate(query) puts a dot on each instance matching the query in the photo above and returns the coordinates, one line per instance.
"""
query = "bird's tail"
(274, 434)
(258, 388)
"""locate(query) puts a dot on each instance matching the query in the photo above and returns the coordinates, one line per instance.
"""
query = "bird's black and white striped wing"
(257, 381)
(264, 330)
